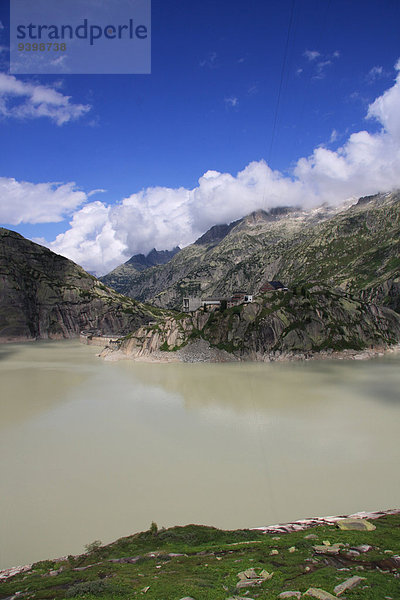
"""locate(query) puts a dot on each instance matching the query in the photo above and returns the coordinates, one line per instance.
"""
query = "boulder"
(355, 525)
(334, 549)
(349, 584)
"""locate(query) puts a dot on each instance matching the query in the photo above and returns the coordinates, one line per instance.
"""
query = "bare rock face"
(44, 295)
(292, 324)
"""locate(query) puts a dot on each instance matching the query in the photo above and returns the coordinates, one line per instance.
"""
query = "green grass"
(209, 563)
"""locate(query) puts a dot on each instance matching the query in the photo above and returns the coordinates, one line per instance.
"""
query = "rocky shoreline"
(200, 351)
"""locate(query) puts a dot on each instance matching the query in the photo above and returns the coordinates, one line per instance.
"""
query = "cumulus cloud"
(22, 100)
(91, 240)
(102, 236)
(25, 202)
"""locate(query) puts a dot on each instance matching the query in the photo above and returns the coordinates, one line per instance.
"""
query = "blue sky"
(208, 107)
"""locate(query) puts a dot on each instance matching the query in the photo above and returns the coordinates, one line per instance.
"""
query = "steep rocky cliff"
(307, 319)
(43, 295)
(355, 248)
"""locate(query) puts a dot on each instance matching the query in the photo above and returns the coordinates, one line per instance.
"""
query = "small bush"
(153, 528)
(98, 586)
(93, 546)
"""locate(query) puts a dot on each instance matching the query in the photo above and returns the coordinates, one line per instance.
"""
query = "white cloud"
(25, 202)
(319, 61)
(375, 73)
(311, 54)
(22, 100)
(91, 240)
(102, 236)
(334, 136)
(386, 109)
(99, 191)
(232, 102)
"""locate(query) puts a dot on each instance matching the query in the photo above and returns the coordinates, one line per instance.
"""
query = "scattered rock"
(334, 549)
(319, 594)
(355, 525)
(273, 552)
(311, 536)
(145, 589)
(6, 573)
(265, 575)
(126, 559)
(362, 548)
(326, 543)
(250, 577)
(54, 572)
(247, 583)
(248, 574)
(352, 554)
(187, 598)
(292, 549)
(290, 595)
(349, 584)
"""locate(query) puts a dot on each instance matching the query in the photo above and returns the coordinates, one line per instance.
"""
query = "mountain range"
(355, 248)
(120, 277)
(341, 267)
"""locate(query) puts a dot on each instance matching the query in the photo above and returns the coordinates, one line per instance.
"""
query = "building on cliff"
(273, 286)
(213, 303)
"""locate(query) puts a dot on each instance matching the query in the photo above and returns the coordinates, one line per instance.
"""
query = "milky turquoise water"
(95, 450)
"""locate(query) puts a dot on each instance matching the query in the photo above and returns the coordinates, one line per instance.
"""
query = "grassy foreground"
(204, 563)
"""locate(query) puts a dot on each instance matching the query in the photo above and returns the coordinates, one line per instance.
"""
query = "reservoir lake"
(97, 450)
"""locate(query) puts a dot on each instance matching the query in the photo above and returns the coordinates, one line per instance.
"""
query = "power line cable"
(281, 79)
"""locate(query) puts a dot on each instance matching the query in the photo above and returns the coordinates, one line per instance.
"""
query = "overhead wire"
(283, 69)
